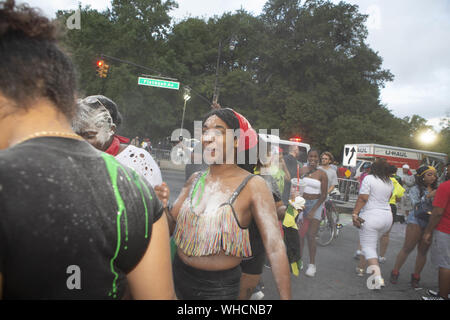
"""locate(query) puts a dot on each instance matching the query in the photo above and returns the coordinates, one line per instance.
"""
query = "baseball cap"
(405, 166)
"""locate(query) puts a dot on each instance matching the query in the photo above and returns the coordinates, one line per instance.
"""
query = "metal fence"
(348, 189)
(161, 154)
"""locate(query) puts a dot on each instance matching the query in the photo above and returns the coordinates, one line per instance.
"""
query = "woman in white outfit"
(315, 195)
(372, 214)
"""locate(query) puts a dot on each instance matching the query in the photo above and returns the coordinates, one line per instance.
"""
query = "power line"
(160, 75)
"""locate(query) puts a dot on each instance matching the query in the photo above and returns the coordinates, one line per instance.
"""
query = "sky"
(412, 37)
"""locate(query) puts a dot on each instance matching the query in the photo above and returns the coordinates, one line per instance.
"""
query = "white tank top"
(312, 186)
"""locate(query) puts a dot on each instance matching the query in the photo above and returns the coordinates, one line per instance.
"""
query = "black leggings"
(195, 284)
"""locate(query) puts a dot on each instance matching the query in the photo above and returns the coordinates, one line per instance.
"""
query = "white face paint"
(93, 124)
(101, 121)
(214, 134)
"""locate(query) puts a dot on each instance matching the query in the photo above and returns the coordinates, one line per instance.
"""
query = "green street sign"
(158, 83)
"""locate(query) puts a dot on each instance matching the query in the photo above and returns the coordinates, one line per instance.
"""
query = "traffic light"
(295, 139)
(102, 69)
(100, 64)
(105, 70)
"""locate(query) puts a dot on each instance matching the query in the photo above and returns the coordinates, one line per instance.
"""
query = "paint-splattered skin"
(94, 125)
(255, 202)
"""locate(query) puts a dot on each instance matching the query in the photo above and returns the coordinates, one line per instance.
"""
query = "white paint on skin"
(276, 249)
(212, 145)
(215, 194)
(101, 121)
(265, 206)
(98, 120)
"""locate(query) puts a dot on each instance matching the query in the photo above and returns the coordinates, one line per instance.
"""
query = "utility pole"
(216, 90)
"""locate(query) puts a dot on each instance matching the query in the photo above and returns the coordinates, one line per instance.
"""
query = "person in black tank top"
(252, 267)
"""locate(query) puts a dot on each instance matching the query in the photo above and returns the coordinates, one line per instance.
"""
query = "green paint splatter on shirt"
(113, 167)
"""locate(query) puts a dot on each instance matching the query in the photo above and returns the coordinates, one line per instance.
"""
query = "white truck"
(284, 145)
(399, 156)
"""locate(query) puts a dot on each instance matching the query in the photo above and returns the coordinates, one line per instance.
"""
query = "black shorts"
(195, 284)
(254, 265)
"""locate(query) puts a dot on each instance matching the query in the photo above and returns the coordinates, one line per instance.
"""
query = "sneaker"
(357, 254)
(311, 272)
(434, 293)
(394, 277)
(432, 298)
(381, 259)
(259, 286)
(258, 295)
(360, 272)
(415, 281)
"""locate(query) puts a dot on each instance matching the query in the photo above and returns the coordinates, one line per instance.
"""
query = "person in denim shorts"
(422, 192)
(315, 195)
(437, 234)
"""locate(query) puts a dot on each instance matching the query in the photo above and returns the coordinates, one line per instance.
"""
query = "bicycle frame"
(328, 223)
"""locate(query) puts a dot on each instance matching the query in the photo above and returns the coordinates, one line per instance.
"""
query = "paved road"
(175, 181)
(336, 277)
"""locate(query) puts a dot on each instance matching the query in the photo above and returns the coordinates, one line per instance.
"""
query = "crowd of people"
(75, 195)
(427, 207)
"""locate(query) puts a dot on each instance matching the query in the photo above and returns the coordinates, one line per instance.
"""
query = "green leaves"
(303, 67)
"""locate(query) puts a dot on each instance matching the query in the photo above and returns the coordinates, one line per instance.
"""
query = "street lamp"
(186, 97)
(427, 137)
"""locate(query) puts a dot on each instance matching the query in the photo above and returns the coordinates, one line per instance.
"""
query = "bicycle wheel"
(327, 228)
(337, 226)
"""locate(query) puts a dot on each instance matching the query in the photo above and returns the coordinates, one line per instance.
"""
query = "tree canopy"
(303, 68)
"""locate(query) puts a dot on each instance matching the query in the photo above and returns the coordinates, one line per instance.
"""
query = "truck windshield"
(358, 163)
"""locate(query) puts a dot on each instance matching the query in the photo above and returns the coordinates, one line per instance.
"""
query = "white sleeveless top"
(312, 186)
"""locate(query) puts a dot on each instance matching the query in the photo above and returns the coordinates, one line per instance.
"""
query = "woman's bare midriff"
(210, 263)
(309, 196)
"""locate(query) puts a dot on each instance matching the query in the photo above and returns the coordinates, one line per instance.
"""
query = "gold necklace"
(50, 134)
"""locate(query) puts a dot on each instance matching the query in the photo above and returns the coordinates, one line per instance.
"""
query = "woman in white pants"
(372, 214)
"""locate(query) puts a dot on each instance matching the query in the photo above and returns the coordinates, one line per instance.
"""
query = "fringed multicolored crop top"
(203, 235)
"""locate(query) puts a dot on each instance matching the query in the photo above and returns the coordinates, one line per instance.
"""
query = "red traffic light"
(295, 139)
(102, 68)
